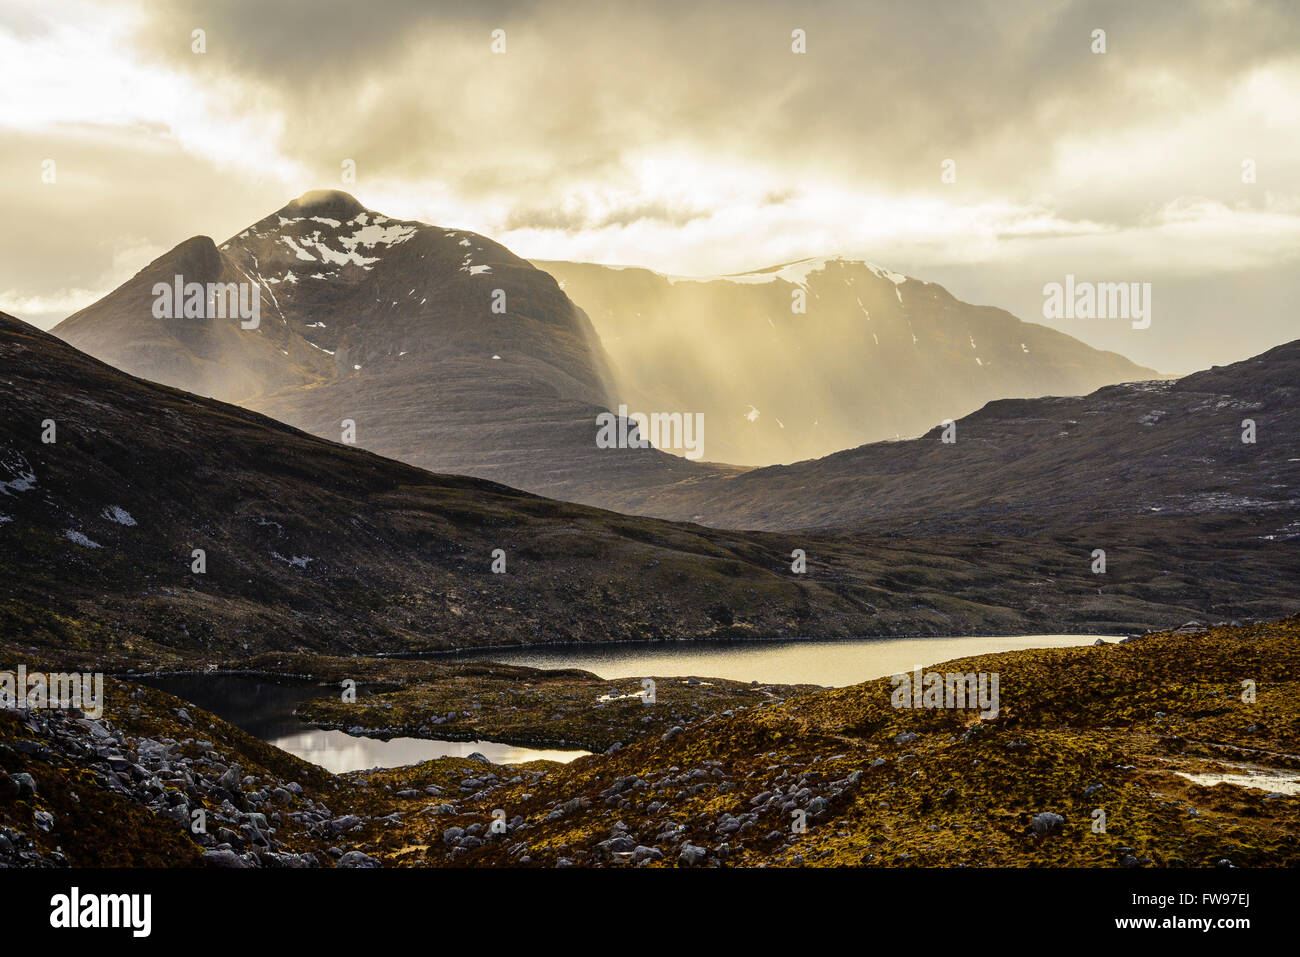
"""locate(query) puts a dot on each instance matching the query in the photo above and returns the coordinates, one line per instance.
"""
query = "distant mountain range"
(802, 360)
(445, 350)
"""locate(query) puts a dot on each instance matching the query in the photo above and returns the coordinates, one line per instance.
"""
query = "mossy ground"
(1080, 729)
(528, 706)
(1083, 729)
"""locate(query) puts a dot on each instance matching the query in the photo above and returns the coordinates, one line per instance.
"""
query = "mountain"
(216, 357)
(389, 324)
(874, 354)
(1029, 466)
(445, 349)
(312, 544)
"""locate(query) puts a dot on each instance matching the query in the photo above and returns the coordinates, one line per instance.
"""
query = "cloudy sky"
(686, 137)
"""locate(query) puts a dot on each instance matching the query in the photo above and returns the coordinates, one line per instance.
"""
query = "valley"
(319, 546)
(321, 557)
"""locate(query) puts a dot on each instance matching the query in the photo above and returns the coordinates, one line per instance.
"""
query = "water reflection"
(264, 708)
(338, 752)
(820, 662)
(1275, 782)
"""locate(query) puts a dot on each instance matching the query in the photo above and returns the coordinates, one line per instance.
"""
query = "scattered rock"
(222, 859)
(357, 859)
(691, 855)
(1047, 822)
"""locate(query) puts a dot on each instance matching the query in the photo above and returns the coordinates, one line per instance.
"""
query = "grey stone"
(357, 859)
(616, 845)
(26, 785)
(691, 855)
(1047, 822)
(222, 859)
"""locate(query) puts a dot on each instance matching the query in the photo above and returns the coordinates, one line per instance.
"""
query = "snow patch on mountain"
(342, 249)
(116, 513)
(796, 273)
(79, 539)
(22, 477)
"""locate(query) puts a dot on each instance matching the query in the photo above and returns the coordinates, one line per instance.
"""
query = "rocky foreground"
(1085, 764)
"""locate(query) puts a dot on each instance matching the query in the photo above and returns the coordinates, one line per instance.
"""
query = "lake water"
(832, 663)
(1262, 779)
(264, 708)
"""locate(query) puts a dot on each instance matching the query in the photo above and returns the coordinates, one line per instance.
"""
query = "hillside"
(317, 545)
(1031, 467)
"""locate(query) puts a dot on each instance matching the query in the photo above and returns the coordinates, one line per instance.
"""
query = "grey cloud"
(885, 92)
(574, 220)
(110, 199)
(409, 90)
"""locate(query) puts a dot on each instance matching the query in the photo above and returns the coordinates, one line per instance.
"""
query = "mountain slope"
(874, 355)
(313, 544)
(209, 357)
(1029, 466)
(445, 349)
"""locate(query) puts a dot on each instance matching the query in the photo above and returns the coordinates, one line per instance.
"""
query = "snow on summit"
(340, 249)
(795, 273)
(329, 228)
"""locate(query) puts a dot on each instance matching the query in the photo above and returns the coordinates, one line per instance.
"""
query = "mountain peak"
(325, 202)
